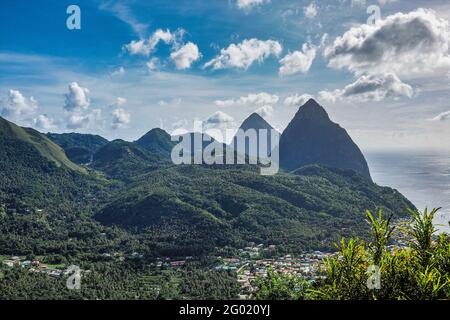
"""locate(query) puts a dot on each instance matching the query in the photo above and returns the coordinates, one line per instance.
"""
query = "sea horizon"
(421, 175)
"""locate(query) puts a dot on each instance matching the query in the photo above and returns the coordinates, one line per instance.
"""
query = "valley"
(116, 208)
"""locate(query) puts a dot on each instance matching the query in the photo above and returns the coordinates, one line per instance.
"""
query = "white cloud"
(185, 56)
(218, 121)
(118, 102)
(384, 2)
(359, 3)
(247, 4)
(78, 119)
(297, 100)
(146, 46)
(77, 114)
(411, 44)
(42, 121)
(77, 98)
(17, 105)
(310, 11)
(265, 111)
(252, 99)
(123, 12)
(442, 116)
(120, 72)
(172, 102)
(178, 124)
(219, 117)
(244, 54)
(364, 3)
(153, 64)
(372, 88)
(327, 96)
(217, 126)
(120, 118)
(298, 61)
(324, 40)
(136, 47)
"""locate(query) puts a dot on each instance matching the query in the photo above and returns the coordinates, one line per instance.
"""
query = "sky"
(381, 68)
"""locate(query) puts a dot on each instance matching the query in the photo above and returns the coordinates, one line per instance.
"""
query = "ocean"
(421, 176)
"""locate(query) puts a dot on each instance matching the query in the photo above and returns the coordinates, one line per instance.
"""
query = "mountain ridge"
(39, 141)
(312, 138)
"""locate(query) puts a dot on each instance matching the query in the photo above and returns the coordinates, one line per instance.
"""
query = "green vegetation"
(419, 271)
(194, 209)
(78, 147)
(281, 287)
(157, 141)
(11, 133)
(132, 202)
(123, 160)
(120, 281)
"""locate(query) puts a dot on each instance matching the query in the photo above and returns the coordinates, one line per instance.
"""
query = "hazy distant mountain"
(312, 138)
(78, 147)
(256, 122)
(157, 141)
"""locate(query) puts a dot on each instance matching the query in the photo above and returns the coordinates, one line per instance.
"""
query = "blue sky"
(135, 65)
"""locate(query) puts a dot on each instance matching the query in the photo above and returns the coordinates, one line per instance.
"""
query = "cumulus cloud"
(252, 99)
(378, 87)
(327, 96)
(76, 107)
(77, 119)
(185, 56)
(219, 117)
(247, 4)
(407, 44)
(17, 105)
(146, 46)
(118, 102)
(298, 61)
(372, 88)
(297, 100)
(265, 111)
(444, 116)
(244, 54)
(120, 118)
(217, 125)
(42, 121)
(310, 11)
(77, 98)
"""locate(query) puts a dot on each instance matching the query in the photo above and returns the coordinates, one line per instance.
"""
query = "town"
(250, 264)
(35, 265)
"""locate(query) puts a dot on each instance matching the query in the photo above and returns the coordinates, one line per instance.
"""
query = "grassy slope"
(46, 148)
